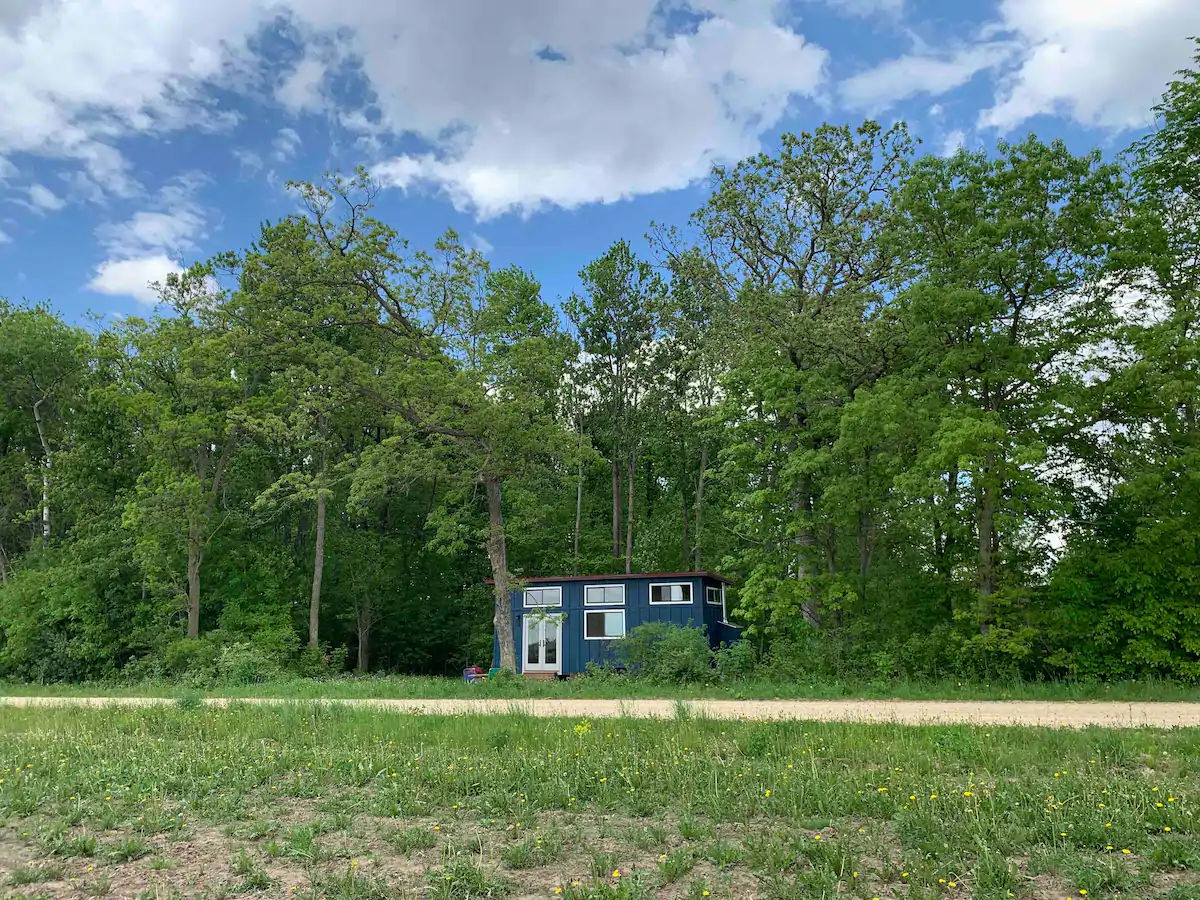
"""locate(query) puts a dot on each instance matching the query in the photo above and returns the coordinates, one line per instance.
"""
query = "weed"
(128, 849)
(22, 875)
(410, 840)
(462, 879)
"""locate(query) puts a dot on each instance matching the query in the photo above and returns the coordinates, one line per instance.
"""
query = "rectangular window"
(603, 624)
(604, 595)
(712, 596)
(543, 596)
(680, 592)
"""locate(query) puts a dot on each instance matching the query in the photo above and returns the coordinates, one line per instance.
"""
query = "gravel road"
(1000, 712)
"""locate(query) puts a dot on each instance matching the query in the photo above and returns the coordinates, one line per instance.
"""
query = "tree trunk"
(195, 557)
(629, 513)
(866, 535)
(41, 430)
(806, 546)
(314, 603)
(698, 509)
(3, 564)
(683, 501)
(364, 615)
(196, 530)
(616, 508)
(498, 557)
(986, 527)
(578, 500)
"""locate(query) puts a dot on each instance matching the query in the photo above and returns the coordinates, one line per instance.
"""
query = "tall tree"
(1011, 249)
(806, 243)
(41, 361)
(183, 390)
(618, 322)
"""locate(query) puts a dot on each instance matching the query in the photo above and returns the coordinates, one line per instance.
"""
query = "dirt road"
(1032, 713)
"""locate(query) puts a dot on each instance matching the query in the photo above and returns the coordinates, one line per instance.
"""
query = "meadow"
(607, 685)
(299, 800)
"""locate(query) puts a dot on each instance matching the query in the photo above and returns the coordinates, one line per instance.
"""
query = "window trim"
(591, 587)
(708, 592)
(606, 611)
(550, 587)
(691, 592)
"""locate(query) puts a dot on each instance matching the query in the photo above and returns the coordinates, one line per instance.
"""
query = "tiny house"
(561, 624)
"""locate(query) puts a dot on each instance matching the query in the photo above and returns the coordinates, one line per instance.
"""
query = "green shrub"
(244, 663)
(735, 661)
(665, 652)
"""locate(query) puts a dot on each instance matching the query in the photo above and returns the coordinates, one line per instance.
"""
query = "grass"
(609, 686)
(309, 801)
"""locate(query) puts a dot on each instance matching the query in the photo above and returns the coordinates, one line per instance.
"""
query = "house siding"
(577, 652)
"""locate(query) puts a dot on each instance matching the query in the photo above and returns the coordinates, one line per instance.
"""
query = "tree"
(1011, 250)
(806, 244)
(618, 323)
(184, 392)
(41, 361)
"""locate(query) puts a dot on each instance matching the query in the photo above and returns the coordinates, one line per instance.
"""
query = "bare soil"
(911, 712)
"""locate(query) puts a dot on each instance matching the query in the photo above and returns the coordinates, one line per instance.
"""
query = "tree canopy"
(933, 414)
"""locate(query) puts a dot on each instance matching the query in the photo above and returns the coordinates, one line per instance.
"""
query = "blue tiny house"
(561, 624)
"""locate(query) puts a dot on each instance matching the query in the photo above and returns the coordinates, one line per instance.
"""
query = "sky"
(139, 136)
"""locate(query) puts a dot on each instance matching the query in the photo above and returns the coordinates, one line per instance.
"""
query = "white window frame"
(724, 611)
(589, 587)
(604, 611)
(720, 592)
(528, 605)
(691, 591)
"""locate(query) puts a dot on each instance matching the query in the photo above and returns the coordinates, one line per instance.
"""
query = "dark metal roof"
(617, 576)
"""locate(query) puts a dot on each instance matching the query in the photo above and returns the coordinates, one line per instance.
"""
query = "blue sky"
(140, 135)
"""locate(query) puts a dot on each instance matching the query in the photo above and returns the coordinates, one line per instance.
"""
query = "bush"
(244, 663)
(665, 652)
(735, 661)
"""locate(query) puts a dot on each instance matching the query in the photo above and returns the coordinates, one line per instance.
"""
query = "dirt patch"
(1046, 714)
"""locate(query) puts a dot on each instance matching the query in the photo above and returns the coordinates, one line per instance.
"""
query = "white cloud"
(629, 109)
(286, 142)
(42, 199)
(304, 88)
(146, 247)
(134, 277)
(868, 7)
(609, 126)
(1102, 62)
(249, 162)
(7, 169)
(480, 243)
(907, 76)
(4, 238)
(953, 142)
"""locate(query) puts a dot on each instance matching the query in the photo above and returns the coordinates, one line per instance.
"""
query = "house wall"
(577, 651)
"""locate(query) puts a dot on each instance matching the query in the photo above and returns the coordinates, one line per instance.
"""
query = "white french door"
(543, 644)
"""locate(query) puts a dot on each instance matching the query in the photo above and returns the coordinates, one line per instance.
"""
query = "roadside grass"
(310, 801)
(617, 687)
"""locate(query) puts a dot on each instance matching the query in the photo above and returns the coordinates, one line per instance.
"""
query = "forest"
(936, 416)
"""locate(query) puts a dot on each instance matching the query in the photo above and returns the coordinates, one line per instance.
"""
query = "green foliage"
(935, 415)
(666, 653)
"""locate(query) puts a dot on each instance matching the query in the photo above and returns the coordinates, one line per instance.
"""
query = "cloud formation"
(510, 106)
(147, 247)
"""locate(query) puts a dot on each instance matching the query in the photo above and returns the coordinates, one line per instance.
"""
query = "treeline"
(935, 415)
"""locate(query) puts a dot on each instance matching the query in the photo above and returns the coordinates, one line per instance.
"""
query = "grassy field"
(621, 687)
(302, 801)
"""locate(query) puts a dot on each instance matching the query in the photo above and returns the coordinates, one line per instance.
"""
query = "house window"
(680, 592)
(604, 595)
(603, 624)
(712, 596)
(543, 596)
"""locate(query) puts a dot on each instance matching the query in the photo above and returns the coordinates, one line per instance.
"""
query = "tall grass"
(620, 687)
